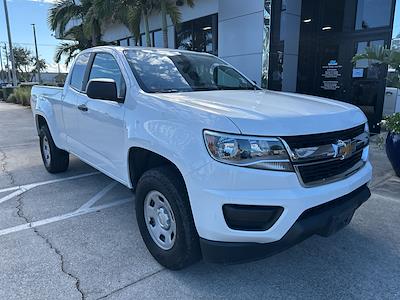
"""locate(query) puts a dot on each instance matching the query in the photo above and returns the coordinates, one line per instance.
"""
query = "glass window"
(198, 35)
(184, 36)
(332, 16)
(123, 42)
(202, 31)
(143, 40)
(78, 72)
(365, 63)
(158, 39)
(132, 41)
(105, 66)
(373, 13)
(172, 71)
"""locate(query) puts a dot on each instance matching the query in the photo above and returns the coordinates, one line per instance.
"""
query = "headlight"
(246, 151)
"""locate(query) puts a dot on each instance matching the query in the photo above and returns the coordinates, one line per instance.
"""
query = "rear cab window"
(78, 72)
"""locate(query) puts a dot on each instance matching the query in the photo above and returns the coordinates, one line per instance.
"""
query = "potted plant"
(392, 124)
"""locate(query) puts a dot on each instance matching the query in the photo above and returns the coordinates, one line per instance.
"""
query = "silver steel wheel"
(46, 151)
(160, 220)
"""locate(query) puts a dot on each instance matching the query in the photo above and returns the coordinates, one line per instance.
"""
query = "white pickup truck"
(222, 169)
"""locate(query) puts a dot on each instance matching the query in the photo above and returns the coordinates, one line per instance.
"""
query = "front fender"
(173, 131)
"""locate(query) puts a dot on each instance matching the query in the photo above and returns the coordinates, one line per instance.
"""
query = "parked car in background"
(222, 169)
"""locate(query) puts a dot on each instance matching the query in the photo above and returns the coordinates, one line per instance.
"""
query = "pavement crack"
(3, 166)
(21, 214)
(131, 284)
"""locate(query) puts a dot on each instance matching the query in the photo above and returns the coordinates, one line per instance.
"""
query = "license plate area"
(338, 222)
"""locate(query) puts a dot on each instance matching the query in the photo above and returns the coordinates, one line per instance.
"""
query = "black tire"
(58, 160)
(185, 250)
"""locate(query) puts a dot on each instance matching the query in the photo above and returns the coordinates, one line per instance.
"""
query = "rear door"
(101, 123)
(70, 110)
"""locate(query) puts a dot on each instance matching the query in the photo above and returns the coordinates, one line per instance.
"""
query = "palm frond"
(62, 12)
(132, 21)
(66, 49)
(377, 54)
(190, 3)
(174, 12)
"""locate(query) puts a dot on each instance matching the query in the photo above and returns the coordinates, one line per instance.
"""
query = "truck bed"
(50, 93)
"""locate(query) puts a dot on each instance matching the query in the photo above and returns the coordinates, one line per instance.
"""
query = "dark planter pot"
(393, 151)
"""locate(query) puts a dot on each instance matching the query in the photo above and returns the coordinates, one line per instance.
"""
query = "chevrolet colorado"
(221, 168)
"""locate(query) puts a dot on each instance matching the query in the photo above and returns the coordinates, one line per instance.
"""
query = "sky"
(22, 13)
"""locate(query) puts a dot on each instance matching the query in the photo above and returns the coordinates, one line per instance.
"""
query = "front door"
(102, 126)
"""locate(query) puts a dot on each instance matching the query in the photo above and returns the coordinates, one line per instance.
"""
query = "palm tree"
(132, 12)
(128, 12)
(380, 55)
(65, 11)
(169, 8)
(71, 49)
(61, 13)
(380, 58)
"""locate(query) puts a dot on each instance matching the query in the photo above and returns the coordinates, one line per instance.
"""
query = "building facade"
(303, 46)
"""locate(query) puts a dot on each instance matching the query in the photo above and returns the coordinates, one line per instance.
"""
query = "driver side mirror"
(103, 89)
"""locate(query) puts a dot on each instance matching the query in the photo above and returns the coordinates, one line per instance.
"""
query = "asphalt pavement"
(74, 236)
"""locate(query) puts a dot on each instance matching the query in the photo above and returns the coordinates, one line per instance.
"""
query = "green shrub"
(11, 99)
(23, 95)
(392, 123)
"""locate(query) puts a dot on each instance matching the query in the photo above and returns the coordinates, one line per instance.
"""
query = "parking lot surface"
(74, 236)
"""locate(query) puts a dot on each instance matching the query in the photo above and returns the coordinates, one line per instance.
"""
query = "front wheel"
(55, 160)
(165, 219)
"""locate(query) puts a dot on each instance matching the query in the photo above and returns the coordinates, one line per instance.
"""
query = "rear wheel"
(55, 160)
(165, 219)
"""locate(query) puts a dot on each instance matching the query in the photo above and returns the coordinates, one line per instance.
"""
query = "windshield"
(172, 71)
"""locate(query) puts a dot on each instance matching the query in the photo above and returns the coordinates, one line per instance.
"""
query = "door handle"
(82, 107)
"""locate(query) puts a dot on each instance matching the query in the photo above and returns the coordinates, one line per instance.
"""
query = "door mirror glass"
(102, 89)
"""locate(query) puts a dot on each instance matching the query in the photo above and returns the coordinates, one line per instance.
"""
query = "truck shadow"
(350, 264)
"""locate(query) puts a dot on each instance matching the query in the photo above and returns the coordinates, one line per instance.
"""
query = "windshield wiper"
(204, 88)
(168, 91)
(229, 88)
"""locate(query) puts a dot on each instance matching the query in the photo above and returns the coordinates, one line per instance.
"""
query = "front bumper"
(215, 184)
(323, 220)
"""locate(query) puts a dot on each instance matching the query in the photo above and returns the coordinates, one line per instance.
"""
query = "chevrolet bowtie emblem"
(344, 149)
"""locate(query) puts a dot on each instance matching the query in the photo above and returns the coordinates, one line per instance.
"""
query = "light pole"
(37, 54)
(7, 64)
(14, 70)
(1, 64)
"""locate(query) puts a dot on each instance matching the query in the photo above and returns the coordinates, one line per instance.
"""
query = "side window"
(227, 77)
(105, 66)
(78, 72)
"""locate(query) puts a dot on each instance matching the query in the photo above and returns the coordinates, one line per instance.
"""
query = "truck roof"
(122, 48)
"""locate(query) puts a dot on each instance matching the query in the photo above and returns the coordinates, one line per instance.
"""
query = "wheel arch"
(140, 160)
(40, 121)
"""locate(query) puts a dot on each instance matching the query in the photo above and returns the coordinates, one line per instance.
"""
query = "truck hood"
(273, 113)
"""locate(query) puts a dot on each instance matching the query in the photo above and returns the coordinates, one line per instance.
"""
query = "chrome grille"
(320, 172)
(326, 157)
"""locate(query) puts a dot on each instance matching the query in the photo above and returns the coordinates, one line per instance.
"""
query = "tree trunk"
(95, 34)
(164, 23)
(94, 40)
(146, 28)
